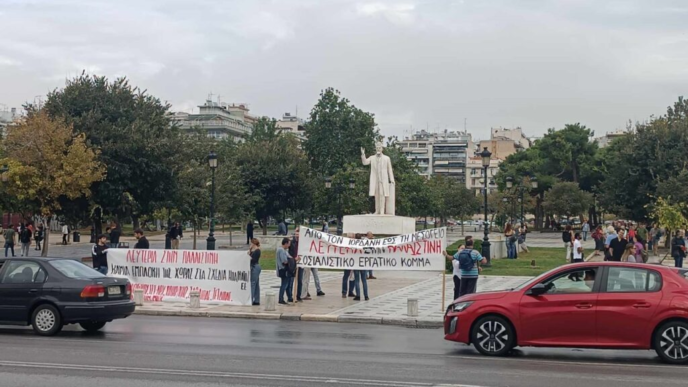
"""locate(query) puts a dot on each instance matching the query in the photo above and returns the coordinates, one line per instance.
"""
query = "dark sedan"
(48, 293)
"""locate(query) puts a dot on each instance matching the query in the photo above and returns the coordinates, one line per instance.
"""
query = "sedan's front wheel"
(46, 320)
(493, 336)
(671, 342)
(92, 326)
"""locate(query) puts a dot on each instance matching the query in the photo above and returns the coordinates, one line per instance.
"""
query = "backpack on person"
(466, 260)
(566, 236)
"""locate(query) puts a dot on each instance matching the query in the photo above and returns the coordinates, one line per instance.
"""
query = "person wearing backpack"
(456, 270)
(468, 266)
(25, 239)
(567, 238)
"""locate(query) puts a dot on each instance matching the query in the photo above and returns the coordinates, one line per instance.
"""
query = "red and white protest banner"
(170, 275)
(421, 250)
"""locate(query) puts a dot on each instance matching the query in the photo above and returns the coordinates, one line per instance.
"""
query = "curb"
(329, 318)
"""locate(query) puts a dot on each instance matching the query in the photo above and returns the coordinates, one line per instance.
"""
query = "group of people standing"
(24, 234)
(287, 270)
(466, 268)
(352, 279)
(515, 238)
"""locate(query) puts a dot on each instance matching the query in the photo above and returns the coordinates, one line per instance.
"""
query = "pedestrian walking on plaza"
(567, 238)
(469, 261)
(522, 239)
(115, 234)
(369, 273)
(99, 254)
(176, 235)
(598, 237)
(617, 246)
(678, 249)
(254, 253)
(25, 240)
(141, 240)
(510, 238)
(65, 234)
(283, 272)
(586, 230)
(10, 239)
(577, 249)
(38, 236)
(249, 232)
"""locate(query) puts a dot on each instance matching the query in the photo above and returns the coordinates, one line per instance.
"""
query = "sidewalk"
(388, 300)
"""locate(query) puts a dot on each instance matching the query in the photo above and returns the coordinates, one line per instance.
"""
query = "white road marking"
(224, 375)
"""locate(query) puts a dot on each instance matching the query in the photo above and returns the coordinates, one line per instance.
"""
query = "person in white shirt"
(65, 234)
(577, 248)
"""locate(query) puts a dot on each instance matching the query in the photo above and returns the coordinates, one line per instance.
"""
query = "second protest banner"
(421, 250)
(171, 275)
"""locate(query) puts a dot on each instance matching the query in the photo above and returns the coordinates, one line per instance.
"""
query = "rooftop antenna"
(210, 96)
(219, 99)
(464, 125)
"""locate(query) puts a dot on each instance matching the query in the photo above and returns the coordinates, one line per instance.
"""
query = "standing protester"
(99, 255)
(38, 236)
(469, 260)
(176, 235)
(598, 237)
(360, 276)
(10, 237)
(249, 232)
(586, 230)
(456, 270)
(115, 234)
(65, 233)
(25, 239)
(369, 236)
(254, 253)
(510, 237)
(617, 246)
(141, 240)
(567, 238)
(678, 249)
(282, 262)
(577, 249)
(294, 253)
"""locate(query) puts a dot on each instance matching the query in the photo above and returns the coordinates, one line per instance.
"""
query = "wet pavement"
(180, 351)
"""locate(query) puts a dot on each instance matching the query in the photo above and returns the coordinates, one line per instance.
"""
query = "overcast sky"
(414, 64)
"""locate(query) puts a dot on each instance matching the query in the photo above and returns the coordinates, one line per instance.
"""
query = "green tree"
(275, 171)
(135, 136)
(566, 198)
(47, 162)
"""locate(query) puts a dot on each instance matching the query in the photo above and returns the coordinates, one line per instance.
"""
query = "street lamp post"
(338, 190)
(521, 189)
(212, 162)
(485, 155)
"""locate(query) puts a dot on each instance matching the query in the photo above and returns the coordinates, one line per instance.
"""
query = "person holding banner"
(283, 272)
(254, 253)
(469, 260)
(369, 273)
(99, 254)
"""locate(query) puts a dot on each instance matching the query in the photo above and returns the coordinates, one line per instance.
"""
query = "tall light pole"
(485, 155)
(212, 162)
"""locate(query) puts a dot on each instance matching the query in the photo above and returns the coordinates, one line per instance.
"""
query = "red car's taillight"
(128, 290)
(93, 291)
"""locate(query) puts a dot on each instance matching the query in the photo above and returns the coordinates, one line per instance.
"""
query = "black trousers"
(457, 286)
(468, 286)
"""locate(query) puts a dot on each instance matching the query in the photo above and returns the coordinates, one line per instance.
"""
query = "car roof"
(624, 264)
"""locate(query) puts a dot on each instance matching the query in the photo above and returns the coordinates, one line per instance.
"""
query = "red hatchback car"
(585, 305)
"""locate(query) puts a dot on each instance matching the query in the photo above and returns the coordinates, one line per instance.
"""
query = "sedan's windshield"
(74, 269)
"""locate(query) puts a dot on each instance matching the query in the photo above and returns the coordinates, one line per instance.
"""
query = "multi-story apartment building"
(220, 120)
(504, 142)
(609, 137)
(475, 173)
(7, 116)
(445, 153)
(292, 124)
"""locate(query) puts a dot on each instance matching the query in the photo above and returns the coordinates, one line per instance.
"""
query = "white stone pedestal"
(379, 224)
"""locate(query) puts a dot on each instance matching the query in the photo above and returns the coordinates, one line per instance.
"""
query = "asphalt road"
(179, 351)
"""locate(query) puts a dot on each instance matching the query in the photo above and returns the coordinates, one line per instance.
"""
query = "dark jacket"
(99, 255)
(115, 233)
(142, 243)
(25, 236)
(249, 228)
(176, 232)
(676, 250)
(38, 235)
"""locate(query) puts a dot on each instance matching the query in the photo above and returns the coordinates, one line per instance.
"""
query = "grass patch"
(546, 258)
(267, 260)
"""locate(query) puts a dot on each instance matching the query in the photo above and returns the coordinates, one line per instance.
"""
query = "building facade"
(292, 124)
(445, 153)
(505, 142)
(609, 137)
(7, 116)
(219, 120)
(475, 173)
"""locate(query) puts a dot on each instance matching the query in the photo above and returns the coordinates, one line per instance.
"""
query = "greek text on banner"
(171, 275)
(418, 251)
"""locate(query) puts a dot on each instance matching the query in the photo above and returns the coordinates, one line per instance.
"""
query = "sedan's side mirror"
(537, 290)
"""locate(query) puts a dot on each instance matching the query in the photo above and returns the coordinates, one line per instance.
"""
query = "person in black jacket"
(115, 233)
(176, 235)
(38, 236)
(99, 255)
(249, 232)
(141, 241)
(25, 239)
(678, 249)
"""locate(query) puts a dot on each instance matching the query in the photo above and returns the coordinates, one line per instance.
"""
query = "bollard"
(412, 307)
(270, 301)
(195, 299)
(138, 297)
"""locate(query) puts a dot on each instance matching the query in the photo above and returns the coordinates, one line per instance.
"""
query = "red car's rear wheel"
(671, 342)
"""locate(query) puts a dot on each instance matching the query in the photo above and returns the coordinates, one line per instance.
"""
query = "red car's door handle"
(584, 306)
(641, 305)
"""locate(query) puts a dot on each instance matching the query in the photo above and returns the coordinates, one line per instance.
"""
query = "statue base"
(378, 224)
